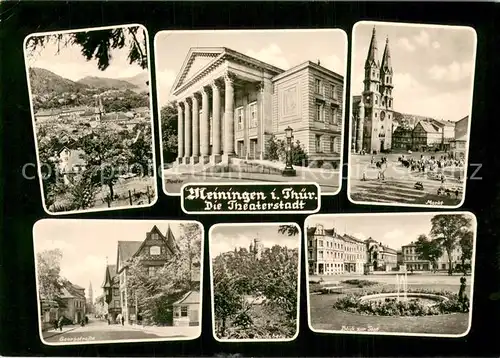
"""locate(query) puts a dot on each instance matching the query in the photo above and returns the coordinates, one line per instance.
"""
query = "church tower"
(98, 108)
(376, 100)
(90, 299)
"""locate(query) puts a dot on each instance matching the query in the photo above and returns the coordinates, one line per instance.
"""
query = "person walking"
(60, 323)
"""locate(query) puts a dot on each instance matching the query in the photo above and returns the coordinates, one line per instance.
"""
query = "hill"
(103, 82)
(43, 81)
(140, 81)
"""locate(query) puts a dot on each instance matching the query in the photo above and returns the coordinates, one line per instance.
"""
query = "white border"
(403, 334)
(396, 24)
(299, 268)
(39, 171)
(216, 32)
(261, 212)
(117, 222)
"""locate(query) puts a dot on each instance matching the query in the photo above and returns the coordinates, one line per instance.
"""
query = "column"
(216, 127)
(204, 131)
(196, 129)
(229, 117)
(180, 132)
(187, 130)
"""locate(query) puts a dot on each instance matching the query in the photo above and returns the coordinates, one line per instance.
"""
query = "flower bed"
(394, 307)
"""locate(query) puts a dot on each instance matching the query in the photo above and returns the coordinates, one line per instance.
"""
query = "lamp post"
(289, 171)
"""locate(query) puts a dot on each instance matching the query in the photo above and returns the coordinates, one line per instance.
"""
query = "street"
(98, 331)
(398, 185)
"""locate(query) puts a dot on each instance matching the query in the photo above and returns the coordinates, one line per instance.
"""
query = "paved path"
(100, 331)
(398, 186)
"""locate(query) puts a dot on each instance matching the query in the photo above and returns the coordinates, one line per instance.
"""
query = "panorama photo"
(251, 106)
(91, 109)
(396, 274)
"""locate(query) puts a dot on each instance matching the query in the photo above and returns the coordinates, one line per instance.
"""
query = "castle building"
(229, 105)
(256, 248)
(374, 109)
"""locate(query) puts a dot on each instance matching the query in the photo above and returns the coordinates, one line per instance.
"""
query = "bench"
(331, 287)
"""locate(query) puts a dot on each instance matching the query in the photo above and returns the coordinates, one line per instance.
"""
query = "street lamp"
(288, 171)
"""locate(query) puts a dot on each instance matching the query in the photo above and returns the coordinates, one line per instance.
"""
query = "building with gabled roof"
(187, 309)
(111, 288)
(237, 103)
(153, 252)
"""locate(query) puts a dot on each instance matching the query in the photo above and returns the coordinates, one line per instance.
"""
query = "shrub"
(360, 283)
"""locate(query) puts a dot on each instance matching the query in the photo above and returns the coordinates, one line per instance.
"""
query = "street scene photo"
(108, 281)
(393, 274)
(90, 101)
(255, 274)
(410, 119)
(251, 106)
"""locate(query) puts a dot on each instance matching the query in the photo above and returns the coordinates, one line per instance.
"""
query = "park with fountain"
(400, 302)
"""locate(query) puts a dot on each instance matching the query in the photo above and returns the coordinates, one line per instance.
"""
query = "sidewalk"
(55, 332)
(168, 331)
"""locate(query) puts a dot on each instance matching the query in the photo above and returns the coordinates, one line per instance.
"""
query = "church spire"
(386, 58)
(372, 57)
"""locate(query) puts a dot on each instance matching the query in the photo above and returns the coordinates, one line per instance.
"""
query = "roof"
(109, 275)
(372, 56)
(386, 57)
(308, 64)
(350, 237)
(127, 249)
(192, 297)
(428, 127)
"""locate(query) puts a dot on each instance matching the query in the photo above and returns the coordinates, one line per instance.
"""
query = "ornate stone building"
(373, 111)
(230, 104)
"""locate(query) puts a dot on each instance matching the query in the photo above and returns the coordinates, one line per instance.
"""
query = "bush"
(277, 151)
(360, 283)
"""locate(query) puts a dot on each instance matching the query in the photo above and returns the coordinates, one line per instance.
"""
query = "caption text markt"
(248, 198)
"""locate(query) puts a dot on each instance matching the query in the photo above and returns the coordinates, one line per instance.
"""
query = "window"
(155, 250)
(332, 144)
(318, 143)
(117, 303)
(253, 115)
(333, 93)
(317, 86)
(318, 116)
(240, 118)
(320, 243)
(152, 270)
(184, 311)
(116, 292)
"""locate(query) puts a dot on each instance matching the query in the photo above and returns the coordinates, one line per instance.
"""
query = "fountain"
(402, 286)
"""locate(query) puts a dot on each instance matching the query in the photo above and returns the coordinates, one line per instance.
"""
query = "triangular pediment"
(196, 60)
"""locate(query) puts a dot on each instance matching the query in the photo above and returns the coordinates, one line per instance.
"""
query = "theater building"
(229, 105)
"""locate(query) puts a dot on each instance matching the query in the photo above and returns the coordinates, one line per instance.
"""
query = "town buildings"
(330, 253)
(414, 263)
(458, 146)
(111, 286)
(376, 126)
(229, 105)
(71, 305)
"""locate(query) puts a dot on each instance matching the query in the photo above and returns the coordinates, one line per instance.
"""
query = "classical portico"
(224, 106)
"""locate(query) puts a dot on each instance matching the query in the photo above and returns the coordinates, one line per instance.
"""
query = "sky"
(281, 48)
(433, 67)
(85, 244)
(70, 63)
(224, 238)
(392, 230)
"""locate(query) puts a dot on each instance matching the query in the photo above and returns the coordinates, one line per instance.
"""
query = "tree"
(466, 243)
(168, 117)
(190, 246)
(105, 155)
(277, 151)
(48, 272)
(429, 250)
(447, 230)
(98, 45)
(290, 230)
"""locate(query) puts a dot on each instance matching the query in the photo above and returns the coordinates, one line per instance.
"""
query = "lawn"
(324, 317)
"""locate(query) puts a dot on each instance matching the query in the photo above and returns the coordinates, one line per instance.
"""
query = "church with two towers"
(373, 111)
